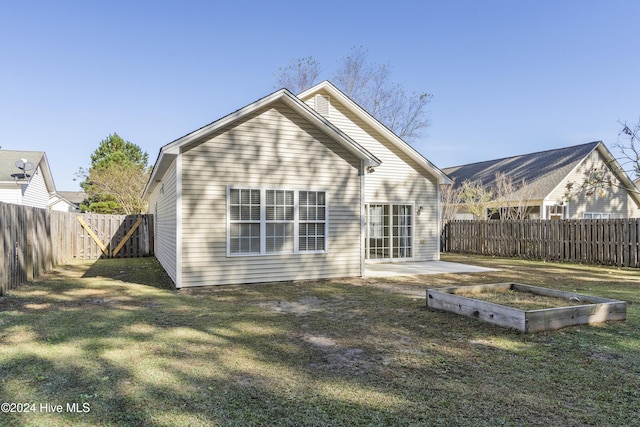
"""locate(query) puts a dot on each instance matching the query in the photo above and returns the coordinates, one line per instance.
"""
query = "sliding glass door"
(389, 231)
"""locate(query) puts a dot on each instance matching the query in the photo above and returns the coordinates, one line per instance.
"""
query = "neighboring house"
(30, 186)
(547, 175)
(67, 201)
(280, 190)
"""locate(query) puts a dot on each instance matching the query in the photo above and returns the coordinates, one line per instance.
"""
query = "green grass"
(112, 334)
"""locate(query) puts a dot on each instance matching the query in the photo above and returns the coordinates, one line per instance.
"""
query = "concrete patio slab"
(388, 269)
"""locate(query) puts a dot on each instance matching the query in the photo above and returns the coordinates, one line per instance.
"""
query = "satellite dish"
(24, 165)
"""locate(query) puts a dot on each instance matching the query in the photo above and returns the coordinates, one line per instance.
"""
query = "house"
(67, 201)
(25, 178)
(280, 190)
(552, 183)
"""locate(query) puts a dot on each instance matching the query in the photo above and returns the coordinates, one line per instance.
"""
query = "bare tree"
(299, 75)
(476, 198)
(630, 160)
(370, 87)
(450, 199)
(512, 199)
(596, 180)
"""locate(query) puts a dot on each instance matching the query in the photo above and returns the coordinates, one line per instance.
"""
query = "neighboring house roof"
(169, 151)
(72, 198)
(75, 197)
(363, 115)
(543, 171)
(9, 173)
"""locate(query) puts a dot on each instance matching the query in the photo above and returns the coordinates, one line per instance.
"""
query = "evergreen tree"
(115, 181)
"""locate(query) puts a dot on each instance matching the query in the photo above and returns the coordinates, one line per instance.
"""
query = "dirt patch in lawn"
(304, 305)
(521, 300)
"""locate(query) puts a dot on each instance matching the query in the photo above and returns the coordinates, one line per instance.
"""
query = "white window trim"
(264, 222)
(601, 214)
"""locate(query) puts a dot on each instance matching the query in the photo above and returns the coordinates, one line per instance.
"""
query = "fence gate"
(34, 240)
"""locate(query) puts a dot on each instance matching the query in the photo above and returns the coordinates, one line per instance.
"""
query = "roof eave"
(169, 151)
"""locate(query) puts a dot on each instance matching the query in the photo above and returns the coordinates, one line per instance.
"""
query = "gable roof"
(374, 123)
(9, 172)
(543, 170)
(169, 151)
(72, 197)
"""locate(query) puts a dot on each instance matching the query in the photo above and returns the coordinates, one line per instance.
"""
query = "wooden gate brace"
(105, 248)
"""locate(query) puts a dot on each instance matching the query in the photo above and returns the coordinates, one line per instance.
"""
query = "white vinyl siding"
(163, 204)
(273, 148)
(35, 193)
(10, 195)
(398, 180)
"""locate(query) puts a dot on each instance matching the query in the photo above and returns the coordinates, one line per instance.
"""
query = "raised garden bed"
(515, 299)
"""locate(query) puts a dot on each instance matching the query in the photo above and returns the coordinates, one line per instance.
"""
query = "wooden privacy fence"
(608, 242)
(34, 240)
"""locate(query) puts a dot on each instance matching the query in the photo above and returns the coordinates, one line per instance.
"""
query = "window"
(244, 217)
(597, 215)
(279, 221)
(270, 221)
(402, 231)
(556, 212)
(313, 214)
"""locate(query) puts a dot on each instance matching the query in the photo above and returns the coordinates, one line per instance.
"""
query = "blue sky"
(507, 77)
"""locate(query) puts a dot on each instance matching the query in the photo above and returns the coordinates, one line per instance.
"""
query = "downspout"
(439, 220)
(363, 230)
(179, 220)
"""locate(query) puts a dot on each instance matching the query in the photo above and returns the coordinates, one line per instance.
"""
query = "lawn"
(109, 343)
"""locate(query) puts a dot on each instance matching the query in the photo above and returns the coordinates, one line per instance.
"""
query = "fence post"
(3, 255)
(610, 242)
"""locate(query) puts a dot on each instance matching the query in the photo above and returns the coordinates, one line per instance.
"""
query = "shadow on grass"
(142, 271)
(339, 352)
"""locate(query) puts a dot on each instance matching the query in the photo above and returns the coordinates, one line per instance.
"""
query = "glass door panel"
(389, 231)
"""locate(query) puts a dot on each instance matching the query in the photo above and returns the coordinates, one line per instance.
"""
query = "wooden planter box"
(581, 309)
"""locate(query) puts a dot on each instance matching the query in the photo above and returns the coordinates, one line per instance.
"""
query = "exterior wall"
(614, 200)
(58, 204)
(35, 193)
(397, 180)
(273, 148)
(11, 195)
(163, 205)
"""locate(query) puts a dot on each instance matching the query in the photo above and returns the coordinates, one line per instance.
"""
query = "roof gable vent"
(322, 105)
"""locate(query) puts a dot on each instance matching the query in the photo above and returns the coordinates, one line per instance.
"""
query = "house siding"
(614, 200)
(10, 195)
(35, 193)
(397, 180)
(163, 204)
(272, 148)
